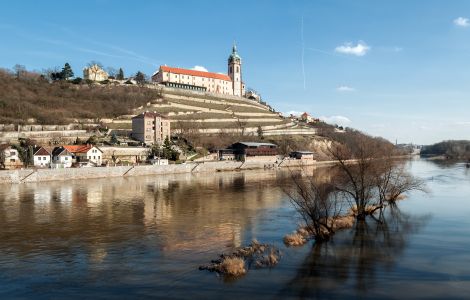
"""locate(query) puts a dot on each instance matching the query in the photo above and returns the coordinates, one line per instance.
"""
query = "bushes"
(61, 102)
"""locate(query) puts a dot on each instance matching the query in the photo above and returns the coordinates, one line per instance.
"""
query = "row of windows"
(194, 77)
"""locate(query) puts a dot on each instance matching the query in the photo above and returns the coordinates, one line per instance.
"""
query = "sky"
(398, 69)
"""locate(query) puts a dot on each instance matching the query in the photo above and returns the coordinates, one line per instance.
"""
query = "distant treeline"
(29, 95)
(449, 149)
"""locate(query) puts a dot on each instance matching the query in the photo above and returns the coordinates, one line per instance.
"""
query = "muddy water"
(146, 236)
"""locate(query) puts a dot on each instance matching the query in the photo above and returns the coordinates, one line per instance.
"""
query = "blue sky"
(398, 69)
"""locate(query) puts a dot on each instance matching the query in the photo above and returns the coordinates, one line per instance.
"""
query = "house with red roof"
(85, 154)
(227, 84)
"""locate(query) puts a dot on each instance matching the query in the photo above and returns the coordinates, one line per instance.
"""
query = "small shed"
(302, 155)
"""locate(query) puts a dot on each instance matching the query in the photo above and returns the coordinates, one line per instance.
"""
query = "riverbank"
(42, 175)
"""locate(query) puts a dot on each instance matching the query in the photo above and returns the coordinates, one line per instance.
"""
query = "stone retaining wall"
(42, 175)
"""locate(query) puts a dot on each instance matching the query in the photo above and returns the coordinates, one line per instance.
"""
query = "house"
(245, 151)
(304, 155)
(225, 154)
(201, 80)
(150, 128)
(157, 161)
(85, 154)
(61, 158)
(9, 158)
(306, 117)
(114, 154)
(42, 157)
(94, 73)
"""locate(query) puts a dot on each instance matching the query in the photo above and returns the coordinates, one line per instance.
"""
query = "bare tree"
(242, 126)
(369, 174)
(318, 203)
(19, 70)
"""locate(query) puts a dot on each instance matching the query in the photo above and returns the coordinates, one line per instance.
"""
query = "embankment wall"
(42, 175)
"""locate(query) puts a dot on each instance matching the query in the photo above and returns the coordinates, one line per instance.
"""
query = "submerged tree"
(369, 173)
(318, 203)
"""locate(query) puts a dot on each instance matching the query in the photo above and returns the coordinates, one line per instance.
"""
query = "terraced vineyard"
(209, 112)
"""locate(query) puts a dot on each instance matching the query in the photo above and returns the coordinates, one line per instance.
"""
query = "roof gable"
(42, 151)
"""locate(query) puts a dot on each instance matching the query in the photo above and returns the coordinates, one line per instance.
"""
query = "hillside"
(207, 112)
(32, 97)
(450, 149)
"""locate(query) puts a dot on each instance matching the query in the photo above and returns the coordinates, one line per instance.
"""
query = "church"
(230, 84)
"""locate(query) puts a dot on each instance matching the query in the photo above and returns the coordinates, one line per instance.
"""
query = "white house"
(42, 157)
(61, 158)
(86, 154)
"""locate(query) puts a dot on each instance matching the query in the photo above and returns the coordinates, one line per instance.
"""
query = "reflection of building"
(150, 128)
(230, 84)
(94, 73)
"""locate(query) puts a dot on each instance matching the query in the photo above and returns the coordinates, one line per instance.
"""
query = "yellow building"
(230, 84)
(150, 128)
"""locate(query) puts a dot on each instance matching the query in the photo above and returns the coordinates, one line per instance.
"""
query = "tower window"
(230, 69)
(238, 69)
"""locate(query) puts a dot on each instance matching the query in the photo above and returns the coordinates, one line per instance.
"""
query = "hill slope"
(32, 97)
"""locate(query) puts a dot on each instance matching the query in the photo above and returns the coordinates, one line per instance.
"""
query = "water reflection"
(186, 213)
(355, 258)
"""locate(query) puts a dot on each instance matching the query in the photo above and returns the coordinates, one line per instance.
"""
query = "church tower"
(235, 72)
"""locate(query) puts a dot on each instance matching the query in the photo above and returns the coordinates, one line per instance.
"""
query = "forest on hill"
(31, 95)
(450, 149)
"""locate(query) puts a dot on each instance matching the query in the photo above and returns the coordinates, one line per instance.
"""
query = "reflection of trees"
(354, 257)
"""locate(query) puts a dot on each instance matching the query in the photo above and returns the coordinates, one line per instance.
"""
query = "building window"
(238, 69)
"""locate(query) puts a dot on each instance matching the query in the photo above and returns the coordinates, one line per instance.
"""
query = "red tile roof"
(195, 73)
(42, 151)
(78, 148)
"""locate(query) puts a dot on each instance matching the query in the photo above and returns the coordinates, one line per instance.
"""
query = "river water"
(145, 237)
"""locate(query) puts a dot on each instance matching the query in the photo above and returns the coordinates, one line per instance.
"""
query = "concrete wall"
(40, 175)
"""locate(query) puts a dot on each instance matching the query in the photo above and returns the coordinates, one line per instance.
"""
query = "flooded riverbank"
(146, 236)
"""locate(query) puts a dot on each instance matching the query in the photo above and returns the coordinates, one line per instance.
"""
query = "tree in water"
(317, 202)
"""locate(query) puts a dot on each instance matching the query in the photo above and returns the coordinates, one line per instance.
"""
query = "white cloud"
(345, 88)
(199, 68)
(462, 22)
(348, 48)
(336, 120)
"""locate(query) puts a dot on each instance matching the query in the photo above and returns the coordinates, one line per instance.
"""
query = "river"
(143, 237)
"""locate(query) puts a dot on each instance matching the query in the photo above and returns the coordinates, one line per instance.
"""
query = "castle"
(230, 84)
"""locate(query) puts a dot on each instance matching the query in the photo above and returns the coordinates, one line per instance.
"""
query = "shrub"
(233, 266)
